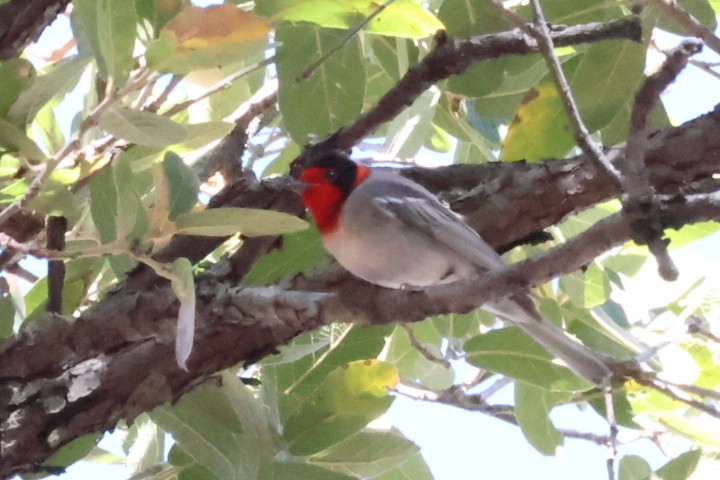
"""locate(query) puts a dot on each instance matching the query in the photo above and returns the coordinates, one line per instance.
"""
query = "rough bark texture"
(61, 379)
(22, 22)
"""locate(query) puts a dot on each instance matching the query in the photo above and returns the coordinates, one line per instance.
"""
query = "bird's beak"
(295, 185)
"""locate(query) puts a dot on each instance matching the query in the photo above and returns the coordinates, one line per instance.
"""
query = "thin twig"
(220, 85)
(706, 67)
(155, 105)
(691, 23)
(52, 163)
(423, 351)
(612, 439)
(456, 398)
(450, 57)
(639, 200)
(348, 36)
(542, 35)
(674, 393)
(495, 387)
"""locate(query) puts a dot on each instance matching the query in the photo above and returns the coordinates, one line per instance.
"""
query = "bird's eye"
(331, 175)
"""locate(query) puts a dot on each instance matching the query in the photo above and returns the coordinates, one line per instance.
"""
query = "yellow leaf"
(540, 127)
(201, 27)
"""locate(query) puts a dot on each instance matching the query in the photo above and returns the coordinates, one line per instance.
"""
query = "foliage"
(127, 172)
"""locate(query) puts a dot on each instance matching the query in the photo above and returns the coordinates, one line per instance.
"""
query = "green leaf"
(402, 18)
(620, 64)
(62, 78)
(532, 407)
(689, 233)
(681, 467)
(220, 222)
(465, 19)
(700, 9)
(16, 76)
(205, 37)
(347, 343)
(413, 366)
(367, 454)
(14, 139)
(73, 451)
(52, 136)
(511, 352)
(350, 397)
(299, 252)
(624, 413)
(407, 133)
(144, 128)
(633, 467)
(333, 96)
(298, 471)
(183, 285)
(144, 444)
(413, 469)
(7, 316)
(223, 429)
(103, 204)
(131, 219)
(460, 325)
(597, 286)
(627, 264)
(109, 26)
(183, 185)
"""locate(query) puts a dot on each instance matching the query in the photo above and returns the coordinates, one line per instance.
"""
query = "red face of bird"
(331, 179)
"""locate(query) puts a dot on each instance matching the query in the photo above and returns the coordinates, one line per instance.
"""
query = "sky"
(464, 445)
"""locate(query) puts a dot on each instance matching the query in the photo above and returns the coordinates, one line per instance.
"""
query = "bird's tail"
(520, 311)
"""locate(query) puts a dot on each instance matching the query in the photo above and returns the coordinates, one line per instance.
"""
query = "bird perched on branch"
(392, 232)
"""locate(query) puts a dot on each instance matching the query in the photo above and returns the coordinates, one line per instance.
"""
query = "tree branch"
(453, 57)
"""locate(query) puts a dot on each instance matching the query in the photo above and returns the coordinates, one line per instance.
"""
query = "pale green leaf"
(220, 222)
(300, 252)
(633, 467)
(183, 185)
(62, 78)
(103, 204)
(48, 127)
(415, 468)
(109, 26)
(144, 444)
(407, 133)
(413, 366)
(689, 233)
(402, 18)
(298, 471)
(221, 428)
(620, 64)
(16, 76)
(349, 398)
(183, 285)
(532, 407)
(14, 139)
(130, 212)
(346, 344)
(681, 467)
(511, 352)
(144, 128)
(333, 96)
(73, 451)
(367, 454)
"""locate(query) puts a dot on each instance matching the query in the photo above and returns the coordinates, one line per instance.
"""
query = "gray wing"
(418, 209)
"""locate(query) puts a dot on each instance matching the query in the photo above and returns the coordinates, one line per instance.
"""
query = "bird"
(390, 231)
